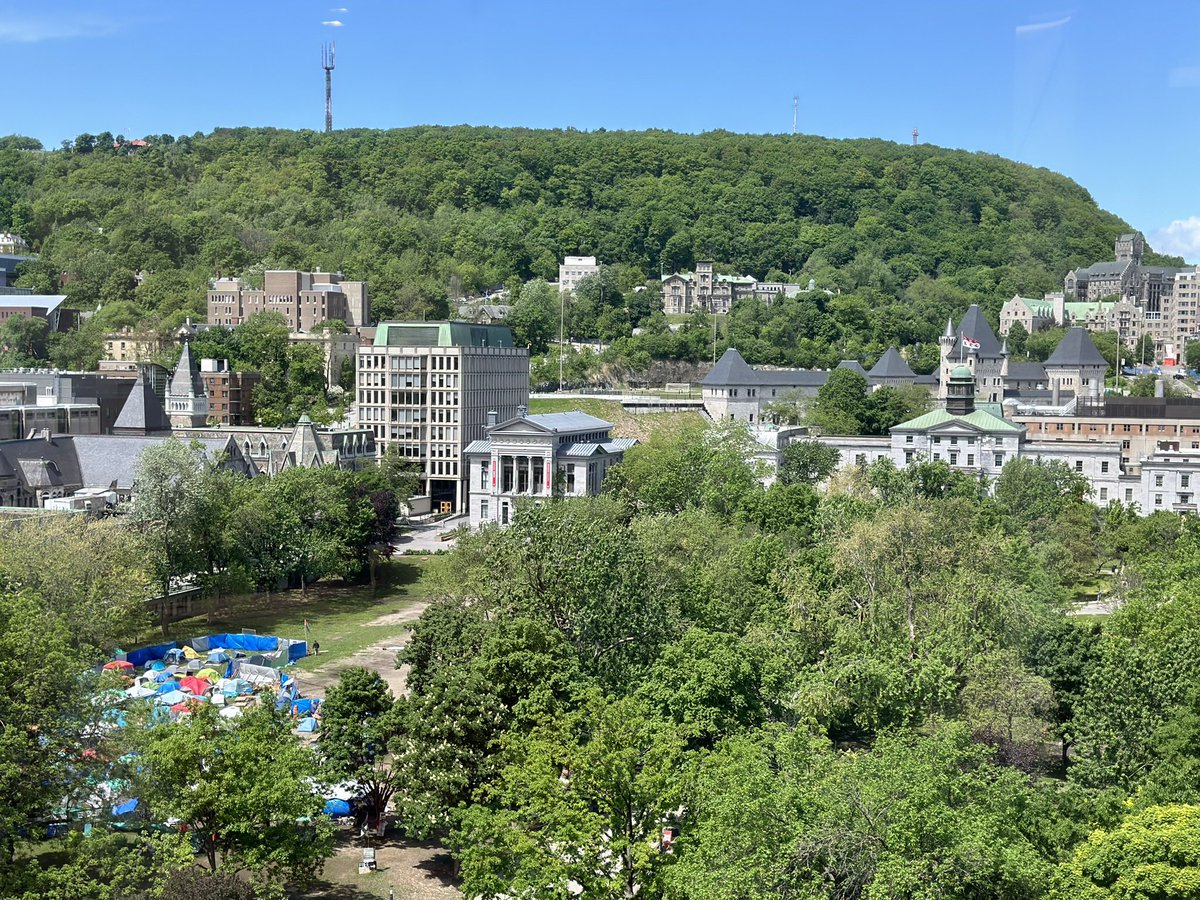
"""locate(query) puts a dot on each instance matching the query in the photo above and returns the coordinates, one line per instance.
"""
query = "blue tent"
(173, 697)
(174, 655)
(337, 808)
(307, 725)
(157, 666)
(304, 706)
(124, 809)
(218, 656)
(168, 685)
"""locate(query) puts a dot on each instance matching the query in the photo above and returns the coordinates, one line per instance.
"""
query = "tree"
(889, 406)
(1192, 354)
(88, 573)
(1153, 853)
(1016, 337)
(841, 406)
(41, 722)
(1036, 492)
(243, 788)
(807, 462)
(581, 799)
(1006, 704)
(358, 719)
(1142, 353)
(23, 341)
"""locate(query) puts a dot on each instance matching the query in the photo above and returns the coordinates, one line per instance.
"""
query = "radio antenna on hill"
(916, 134)
(328, 53)
(795, 110)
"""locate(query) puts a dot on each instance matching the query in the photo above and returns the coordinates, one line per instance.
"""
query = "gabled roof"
(143, 412)
(975, 325)
(731, 368)
(853, 365)
(792, 377)
(891, 365)
(569, 421)
(1075, 349)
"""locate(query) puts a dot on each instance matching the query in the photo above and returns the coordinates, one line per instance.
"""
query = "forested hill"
(421, 211)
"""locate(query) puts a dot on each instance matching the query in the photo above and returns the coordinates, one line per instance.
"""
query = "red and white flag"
(970, 343)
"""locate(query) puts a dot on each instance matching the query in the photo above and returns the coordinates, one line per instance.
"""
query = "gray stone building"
(538, 457)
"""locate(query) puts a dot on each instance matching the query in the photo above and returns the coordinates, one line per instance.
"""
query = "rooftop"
(442, 334)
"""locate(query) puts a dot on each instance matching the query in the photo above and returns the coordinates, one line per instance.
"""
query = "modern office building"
(304, 299)
(425, 389)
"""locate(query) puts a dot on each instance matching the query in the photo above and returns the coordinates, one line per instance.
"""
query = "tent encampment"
(337, 808)
(307, 725)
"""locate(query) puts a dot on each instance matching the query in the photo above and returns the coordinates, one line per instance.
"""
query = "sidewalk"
(424, 538)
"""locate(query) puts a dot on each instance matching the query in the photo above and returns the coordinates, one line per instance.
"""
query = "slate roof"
(1030, 371)
(975, 326)
(109, 460)
(142, 412)
(1104, 269)
(186, 380)
(791, 377)
(731, 368)
(853, 365)
(1075, 349)
(891, 365)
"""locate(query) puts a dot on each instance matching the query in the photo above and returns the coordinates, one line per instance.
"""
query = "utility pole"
(795, 111)
(328, 54)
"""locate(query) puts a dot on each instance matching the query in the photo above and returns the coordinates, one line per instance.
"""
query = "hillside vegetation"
(909, 233)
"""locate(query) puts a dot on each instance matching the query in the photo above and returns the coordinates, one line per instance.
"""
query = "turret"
(946, 341)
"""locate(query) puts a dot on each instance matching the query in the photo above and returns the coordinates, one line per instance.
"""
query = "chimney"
(1054, 392)
(491, 418)
(521, 411)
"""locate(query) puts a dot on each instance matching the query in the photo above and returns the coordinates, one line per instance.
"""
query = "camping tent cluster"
(227, 670)
(231, 671)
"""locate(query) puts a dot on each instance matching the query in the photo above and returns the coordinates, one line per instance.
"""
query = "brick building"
(304, 299)
(230, 394)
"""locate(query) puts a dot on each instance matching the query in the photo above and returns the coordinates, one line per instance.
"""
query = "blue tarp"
(307, 725)
(247, 643)
(304, 707)
(125, 808)
(218, 656)
(174, 655)
(146, 654)
(337, 808)
(298, 650)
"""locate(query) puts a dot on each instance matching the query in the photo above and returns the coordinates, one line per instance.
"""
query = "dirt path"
(379, 657)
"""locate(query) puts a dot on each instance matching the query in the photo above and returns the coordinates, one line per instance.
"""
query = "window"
(503, 513)
(484, 468)
(1185, 480)
(860, 459)
(1128, 495)
(484, 511)
(970, 459)
(1103, 494)
(1079, 465)
(937, 440)
(953, 440)
(1158, 499)
(954, 459)
(1158, 481)
(999, 459)
(1124, 445)
(908, 439)
(908, 457)
(1104, 467)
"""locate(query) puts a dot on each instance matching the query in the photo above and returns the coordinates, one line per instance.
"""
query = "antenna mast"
(915, 135)
(795, 110)
(328, 54)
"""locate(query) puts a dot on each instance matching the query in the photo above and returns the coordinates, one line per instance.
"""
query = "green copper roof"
(442, 334)
(962, 372)
(981, 419)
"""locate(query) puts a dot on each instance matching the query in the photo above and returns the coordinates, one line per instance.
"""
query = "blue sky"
(1101, 91)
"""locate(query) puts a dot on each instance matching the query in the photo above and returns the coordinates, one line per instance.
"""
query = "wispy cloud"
(333, 23)
(339, 9)
(1180, 238)
(20, 29)
(1184, 77)
(1034, 27)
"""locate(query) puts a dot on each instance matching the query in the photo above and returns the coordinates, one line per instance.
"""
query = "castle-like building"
(1124, 296)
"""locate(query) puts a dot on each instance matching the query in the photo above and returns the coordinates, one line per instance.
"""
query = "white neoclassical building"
(537, 457)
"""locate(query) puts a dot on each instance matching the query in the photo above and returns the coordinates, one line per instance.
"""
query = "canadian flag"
(970, 343)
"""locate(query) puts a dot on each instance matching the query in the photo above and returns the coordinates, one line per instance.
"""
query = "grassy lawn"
(625, 424)
(339, 614)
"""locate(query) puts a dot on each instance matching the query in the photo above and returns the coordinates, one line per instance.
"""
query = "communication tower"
(795, 110)
(328, 52)
(916, 134)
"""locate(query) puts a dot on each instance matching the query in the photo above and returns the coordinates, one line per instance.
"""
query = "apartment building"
(304, 299)
(425, 389)
(574, 269)
(230, 394)
(128, 345)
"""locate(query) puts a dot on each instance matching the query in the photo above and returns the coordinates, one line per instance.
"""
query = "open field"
(625, 424)
(344, 619)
